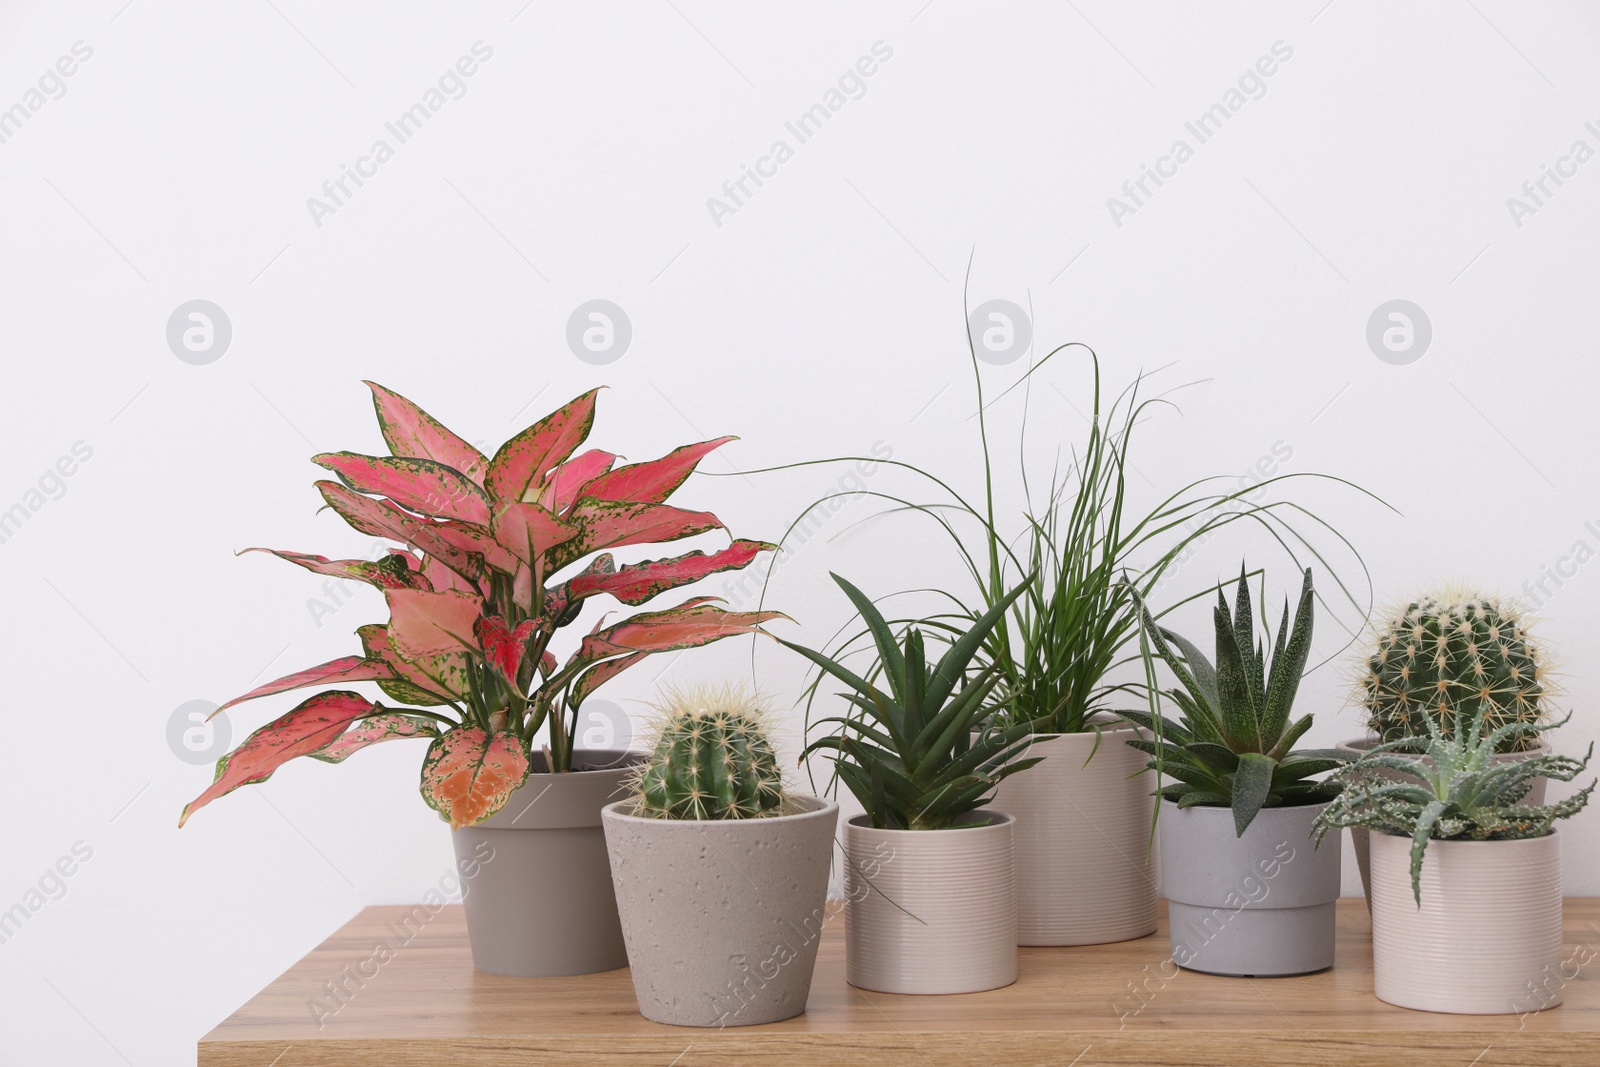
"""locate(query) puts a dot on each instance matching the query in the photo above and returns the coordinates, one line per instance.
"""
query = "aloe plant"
(1456, 790)
(1233, 745)
(493, 556)
(925, 753)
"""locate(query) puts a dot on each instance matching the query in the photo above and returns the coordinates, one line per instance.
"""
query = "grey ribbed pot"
(1257, 905)
(540, 903)
(1085, 875)
(931, 911)
(1361, 840)
(722, 918)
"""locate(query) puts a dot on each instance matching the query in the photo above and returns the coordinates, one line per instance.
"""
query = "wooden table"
(422, 1003)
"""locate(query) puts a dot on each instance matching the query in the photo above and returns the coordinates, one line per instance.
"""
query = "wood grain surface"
(408, 995)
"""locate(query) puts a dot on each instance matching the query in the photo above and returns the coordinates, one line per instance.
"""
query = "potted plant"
(1248, 891)
(930, 877)
(1441, 659)
(1466, 875)
(492, 558)
(721, 875)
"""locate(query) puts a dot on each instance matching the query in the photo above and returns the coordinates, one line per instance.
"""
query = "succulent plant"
(928, 752)
(1233, 746)
(712, 759)
(1445, 659)
(1461, 793)
(493, 557)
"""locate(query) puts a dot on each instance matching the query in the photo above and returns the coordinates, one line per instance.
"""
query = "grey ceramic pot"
(1361, 840)
(1257, 905)
(540, 902)
(931, 911)
(722, 918)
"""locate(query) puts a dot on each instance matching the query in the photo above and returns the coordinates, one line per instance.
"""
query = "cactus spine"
(1448, 659)
(711, 760)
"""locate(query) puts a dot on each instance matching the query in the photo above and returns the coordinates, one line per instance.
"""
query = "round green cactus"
(712, 760)
(1448, 658)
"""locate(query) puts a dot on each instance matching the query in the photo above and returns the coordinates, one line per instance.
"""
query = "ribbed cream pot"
(1085, 870)
(931, 911)
(1487, 938)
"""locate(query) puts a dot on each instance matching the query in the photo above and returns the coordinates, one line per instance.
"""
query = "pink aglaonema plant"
(474, 601)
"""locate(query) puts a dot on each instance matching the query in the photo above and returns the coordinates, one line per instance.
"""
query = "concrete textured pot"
(1487, 939)
(541, 903)
(1085, 875)
(722, 918)
(1257, 905)
(1360, 838)
(961, 886)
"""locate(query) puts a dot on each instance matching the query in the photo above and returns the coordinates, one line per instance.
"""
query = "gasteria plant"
(1443, 659)
(1461, 792)
(711, 759)
(1234, 743)
(475, 602)
(910, 755)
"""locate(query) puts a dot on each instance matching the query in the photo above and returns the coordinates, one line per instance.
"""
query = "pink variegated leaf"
(468, 775)
(431, 624)
(477, 542)
(410, 431)
(528, 531)
(547, 664)
(390, 572)
(440, 578)
(602, 673)
(301, 732)
(420, 485)
(343, 669)
(500, 647)
(390, 726)
(524, 460)
(654, 481)
(562, 485)
(638, 582)
(381, 518)
(697, 621)
(425, 681)
(606, 524)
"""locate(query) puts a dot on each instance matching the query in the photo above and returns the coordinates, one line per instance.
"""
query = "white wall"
(823, 316)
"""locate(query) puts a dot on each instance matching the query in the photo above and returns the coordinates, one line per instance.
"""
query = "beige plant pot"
(1487, 939)
(1360, 839)
(1085, 870)
(931, 911)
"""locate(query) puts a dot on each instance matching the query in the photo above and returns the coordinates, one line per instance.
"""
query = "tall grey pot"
(540, 903)
(1257, 905)
(1361, 839)
(722, 918)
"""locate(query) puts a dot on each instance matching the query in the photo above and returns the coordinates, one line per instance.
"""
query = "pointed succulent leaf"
(375, 729)
(654, 481)
(468, 775)
(301, 732)
(1241, 723)
(954, 662)
(410, 431)
(1203, 680)
(343, 669)
(1289, 665)
(524, 460)
(1252, 785)
(889, 654)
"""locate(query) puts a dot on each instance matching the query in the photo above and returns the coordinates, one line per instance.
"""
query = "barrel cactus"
(1445, 659)
(711, 760)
